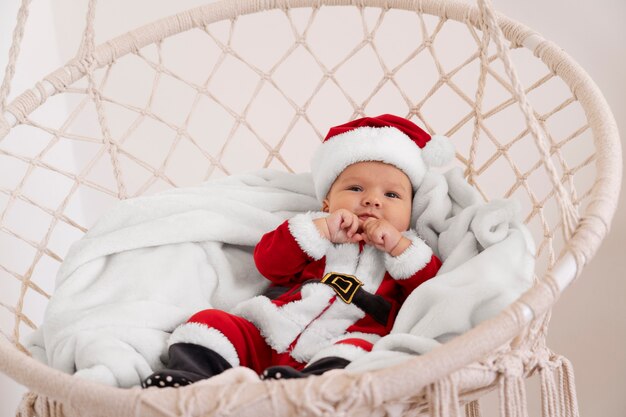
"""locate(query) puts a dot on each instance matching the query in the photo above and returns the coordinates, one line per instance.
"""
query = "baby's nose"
(372, 202)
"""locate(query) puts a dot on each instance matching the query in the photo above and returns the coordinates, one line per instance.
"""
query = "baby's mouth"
(364, 217)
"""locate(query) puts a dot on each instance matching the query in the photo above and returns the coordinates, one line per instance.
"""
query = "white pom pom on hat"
(385, 138)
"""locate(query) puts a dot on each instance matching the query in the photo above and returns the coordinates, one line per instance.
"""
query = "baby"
(338, 277)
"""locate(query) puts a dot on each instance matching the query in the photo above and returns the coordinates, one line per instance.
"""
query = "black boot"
(187, 364)
(316, 368)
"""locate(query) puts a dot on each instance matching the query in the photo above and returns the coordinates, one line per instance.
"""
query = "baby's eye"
(355, 188)
(392, 195)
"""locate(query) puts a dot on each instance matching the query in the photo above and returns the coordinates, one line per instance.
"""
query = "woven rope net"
(222, 89)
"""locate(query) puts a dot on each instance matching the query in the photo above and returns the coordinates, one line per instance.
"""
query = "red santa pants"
(252, 349)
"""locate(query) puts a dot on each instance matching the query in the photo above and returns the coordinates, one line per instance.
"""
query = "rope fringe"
(558, 389)
(513, 396)
(443, 398)
(569, 385)
(472, 409)
(548, 394)
(34, 405)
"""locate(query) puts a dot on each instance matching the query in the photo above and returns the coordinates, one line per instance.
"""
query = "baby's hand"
(340, 226)
(384, 236)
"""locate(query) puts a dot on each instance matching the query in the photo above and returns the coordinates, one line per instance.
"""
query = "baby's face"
(372, 189)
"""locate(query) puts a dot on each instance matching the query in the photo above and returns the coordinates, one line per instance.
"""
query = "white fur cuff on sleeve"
(308, 237)
(414, 258)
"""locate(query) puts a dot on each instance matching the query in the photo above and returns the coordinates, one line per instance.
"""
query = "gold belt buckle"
(344, 285)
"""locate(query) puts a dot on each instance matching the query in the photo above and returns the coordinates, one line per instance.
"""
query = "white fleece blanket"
(150, 263)
(488, 262)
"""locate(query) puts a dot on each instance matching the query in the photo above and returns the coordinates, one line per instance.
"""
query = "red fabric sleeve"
(427, 272)
(279, 258)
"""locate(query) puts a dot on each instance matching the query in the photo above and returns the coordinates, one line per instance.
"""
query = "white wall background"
(589, 322)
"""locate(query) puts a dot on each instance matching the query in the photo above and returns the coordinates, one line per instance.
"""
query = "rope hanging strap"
(18, 35)
(5, 88)
(86, 54)
(478, 107)
(569, 214)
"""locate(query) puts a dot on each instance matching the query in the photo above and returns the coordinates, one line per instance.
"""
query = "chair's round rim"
(401, 380)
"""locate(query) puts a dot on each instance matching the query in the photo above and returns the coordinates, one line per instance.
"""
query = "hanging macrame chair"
(567, 179)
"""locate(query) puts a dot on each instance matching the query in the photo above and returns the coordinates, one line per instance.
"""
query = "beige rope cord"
(568, 198)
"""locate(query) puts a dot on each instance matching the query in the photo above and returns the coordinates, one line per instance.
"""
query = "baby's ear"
(325, 205)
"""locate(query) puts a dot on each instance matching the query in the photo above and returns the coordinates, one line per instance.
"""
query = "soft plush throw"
(488, 259)
(150, 263)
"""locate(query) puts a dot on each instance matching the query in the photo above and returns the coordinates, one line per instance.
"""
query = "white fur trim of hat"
(387, 138)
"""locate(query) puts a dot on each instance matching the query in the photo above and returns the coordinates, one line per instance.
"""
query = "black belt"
(350, 290)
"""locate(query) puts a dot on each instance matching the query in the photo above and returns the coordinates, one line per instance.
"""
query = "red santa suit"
(301, 319)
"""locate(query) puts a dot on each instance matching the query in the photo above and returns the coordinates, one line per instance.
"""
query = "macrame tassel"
(548, 394)
(568, 403)
(571, 403)
(472, 409)
(34, 405)
(513, 396)
(558, 390)
(443, 398)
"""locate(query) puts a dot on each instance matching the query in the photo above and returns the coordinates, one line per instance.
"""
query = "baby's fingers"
(347, 223)
(346, 220)
(378, 237)
(357, 237)
(354, 227)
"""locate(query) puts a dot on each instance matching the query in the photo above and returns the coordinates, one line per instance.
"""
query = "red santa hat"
(387, 138)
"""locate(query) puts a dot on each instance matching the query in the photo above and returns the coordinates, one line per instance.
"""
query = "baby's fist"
(340, 226)
(384, 236)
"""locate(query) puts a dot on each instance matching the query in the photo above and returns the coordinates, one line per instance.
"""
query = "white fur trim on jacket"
(280, 326)
(326, 329)
(368, 266)
(385, 144)
(414, 258)
(308, 237)
(306, 317)
(210, 338)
